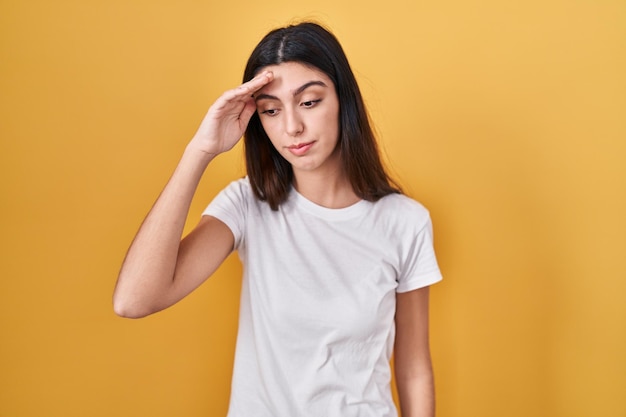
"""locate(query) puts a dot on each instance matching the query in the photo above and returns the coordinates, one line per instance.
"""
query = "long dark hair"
(269, 173)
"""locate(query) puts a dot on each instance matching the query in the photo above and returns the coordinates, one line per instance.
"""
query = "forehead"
(289, 76)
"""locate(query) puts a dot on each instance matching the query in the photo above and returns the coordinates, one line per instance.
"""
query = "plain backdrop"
(507, 119)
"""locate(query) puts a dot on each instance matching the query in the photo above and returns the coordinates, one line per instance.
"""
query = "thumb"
(247, 112)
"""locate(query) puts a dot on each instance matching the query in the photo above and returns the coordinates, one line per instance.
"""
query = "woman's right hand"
(227, 119)
(158, 269)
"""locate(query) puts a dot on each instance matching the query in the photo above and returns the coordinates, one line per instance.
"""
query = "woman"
(337, 262)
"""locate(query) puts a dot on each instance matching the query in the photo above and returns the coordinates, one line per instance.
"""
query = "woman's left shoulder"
(403, 203)
(403, 209)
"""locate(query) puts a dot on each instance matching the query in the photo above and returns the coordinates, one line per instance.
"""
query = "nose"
(294, 125)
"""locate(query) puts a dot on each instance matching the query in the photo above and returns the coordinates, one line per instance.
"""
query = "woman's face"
(299, 111)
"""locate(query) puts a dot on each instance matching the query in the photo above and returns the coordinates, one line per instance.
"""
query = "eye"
(310, 103)
(270, 112)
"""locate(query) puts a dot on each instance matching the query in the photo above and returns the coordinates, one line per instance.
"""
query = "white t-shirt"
(316, 325)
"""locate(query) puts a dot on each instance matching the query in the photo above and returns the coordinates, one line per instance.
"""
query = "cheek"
(270, 130)
(331, 122)
(268, 127)
(331, 113)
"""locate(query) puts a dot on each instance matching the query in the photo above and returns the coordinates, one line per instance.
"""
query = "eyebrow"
(298, 90)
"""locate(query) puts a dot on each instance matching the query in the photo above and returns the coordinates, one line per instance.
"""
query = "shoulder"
(233, 206)
(237, 191)
(242, 186)
(236, 196)
(403, 211)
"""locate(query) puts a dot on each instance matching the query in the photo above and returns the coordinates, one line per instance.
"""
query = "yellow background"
(506, 118)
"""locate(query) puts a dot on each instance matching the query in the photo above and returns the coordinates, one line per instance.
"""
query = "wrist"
(195, 154)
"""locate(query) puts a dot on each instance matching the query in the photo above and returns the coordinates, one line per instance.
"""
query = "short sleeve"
(420, 268)
(230, 206)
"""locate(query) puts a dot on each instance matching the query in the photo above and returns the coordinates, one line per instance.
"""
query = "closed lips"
(299, 145)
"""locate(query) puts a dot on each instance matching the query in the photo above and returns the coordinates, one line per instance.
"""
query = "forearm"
(417, 395)
(147, 282)
(148, 269)
(413, 365)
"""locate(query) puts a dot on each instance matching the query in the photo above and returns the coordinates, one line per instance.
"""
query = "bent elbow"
(128, 310)
(128, 313)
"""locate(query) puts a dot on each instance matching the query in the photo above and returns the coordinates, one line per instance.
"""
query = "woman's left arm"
(413, 366)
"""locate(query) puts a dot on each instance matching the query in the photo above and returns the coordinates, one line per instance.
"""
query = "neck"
(331, 190)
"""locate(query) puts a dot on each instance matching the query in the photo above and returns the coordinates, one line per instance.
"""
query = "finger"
(247, 112)
(259, 81)
(244, 91)
(247, 89)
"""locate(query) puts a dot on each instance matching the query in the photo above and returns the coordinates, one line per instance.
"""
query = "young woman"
(337, 262)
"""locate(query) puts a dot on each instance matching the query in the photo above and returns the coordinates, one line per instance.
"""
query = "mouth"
(300, 149)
